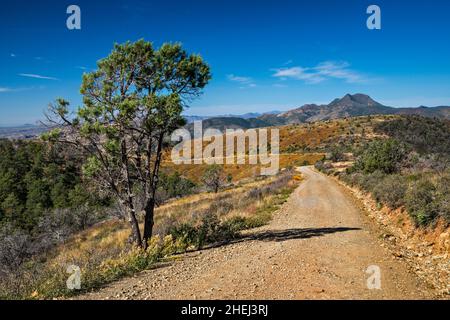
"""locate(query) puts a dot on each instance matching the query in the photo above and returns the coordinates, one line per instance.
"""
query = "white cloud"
(12, 55)
(321, 72)
(246, 82)
(299, 73)
(37, 76)
(6, 89)
(232, 77)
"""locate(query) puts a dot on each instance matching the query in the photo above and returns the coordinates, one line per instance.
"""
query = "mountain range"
(347, 106)
(249, 115)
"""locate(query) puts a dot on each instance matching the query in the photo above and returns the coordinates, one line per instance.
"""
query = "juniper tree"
(131, 103)
(214, 177)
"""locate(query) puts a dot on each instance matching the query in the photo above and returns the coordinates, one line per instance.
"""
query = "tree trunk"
(150, 205)
(149, 221)
(135, 231)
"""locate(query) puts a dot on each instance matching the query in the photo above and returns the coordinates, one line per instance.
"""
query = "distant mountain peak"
(355, 99)
(350, 105)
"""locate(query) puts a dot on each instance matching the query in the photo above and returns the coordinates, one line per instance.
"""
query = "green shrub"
(174, 186)
(443, 196)
(336, 154)
(368, 182)
(420, 202)
(209, 230)
(391, 191)
(236, 224)
(425, 135)
(381, 155)
(186, 233)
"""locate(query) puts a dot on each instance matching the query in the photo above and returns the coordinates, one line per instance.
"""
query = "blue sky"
(265, 55)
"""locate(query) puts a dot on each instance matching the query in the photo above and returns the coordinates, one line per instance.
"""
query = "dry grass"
(104, 253)
(194, 172)
(321, 135)
(299, 144)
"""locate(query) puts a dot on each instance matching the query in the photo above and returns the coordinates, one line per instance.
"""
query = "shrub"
(173, 186)
(336, 154)
(368, 182)
(420, 202)
(443, 196)
(425, 135)
(236, 224)
(185, 233)
(222, 207)
(209, 230)
(381, 155)
(323, 166)
(391, 191)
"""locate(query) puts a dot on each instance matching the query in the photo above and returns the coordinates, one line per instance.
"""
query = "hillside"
(28, 131)
(348, 106)
(248, 201)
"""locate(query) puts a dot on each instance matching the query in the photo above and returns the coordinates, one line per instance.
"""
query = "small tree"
(130, 105)
(214, 177)
(174, 185)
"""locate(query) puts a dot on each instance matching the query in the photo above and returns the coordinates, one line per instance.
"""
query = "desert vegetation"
(408, 168)
(99, 191)
(104, 252)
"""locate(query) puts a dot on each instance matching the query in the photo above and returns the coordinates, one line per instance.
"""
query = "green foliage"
(214, 177)
(174, 186)
(428, 199)
(391, 190)
(410, 169)
(131, 104)
(420, 201)
(381, 155)
(424, 135)
(442, 196)
(211, 229)
(34, 178)
(336, 154)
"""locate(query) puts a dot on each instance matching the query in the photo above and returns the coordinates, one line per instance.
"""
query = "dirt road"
(318, 246)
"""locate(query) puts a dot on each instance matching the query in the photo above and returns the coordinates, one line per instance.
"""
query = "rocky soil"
(318, 246)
